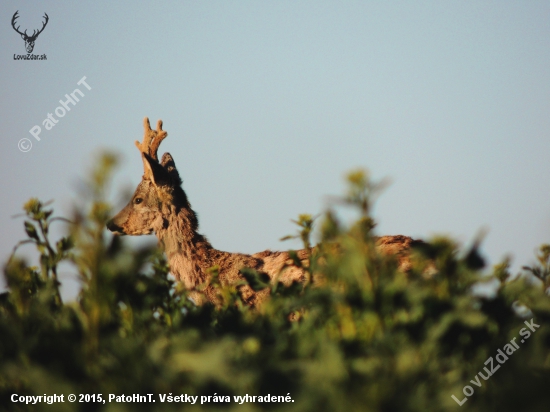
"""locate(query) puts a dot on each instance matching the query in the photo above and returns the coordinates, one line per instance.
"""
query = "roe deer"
(160, 205)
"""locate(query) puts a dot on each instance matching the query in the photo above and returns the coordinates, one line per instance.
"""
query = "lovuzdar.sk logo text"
(29, 39)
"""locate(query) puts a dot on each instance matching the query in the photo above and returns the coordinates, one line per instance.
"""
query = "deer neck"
(188, 252)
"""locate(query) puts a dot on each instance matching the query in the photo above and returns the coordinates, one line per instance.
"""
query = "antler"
(43, 27)
(15, 16)
(151, 141)
(34, 33)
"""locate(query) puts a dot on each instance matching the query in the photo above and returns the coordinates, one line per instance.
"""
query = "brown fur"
(160, 205)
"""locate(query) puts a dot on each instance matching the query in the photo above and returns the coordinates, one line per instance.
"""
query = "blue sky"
(269, 104)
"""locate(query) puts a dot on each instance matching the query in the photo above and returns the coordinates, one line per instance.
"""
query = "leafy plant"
(359, 336)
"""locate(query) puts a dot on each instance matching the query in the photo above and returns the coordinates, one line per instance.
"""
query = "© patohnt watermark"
(29, 40)
(98, 398)
(24, 145)
(50, 121)
(501, 357)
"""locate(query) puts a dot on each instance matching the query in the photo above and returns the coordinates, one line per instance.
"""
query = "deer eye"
(138, 200)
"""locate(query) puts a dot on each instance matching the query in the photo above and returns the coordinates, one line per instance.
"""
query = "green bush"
(362, 336)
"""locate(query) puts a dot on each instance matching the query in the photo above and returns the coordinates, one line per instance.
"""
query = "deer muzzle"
(113, 227)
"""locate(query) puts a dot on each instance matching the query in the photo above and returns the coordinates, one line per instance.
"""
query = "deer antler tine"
(146, 124)
(144, 145)
(43, 24)
(151, 141)
(147, 137)
(160, 135)
(13, 23)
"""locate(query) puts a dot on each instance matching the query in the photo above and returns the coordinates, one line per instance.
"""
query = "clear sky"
(269, 103)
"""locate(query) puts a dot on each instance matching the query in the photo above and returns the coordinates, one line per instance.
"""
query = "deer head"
(29, 40)
(159, 193)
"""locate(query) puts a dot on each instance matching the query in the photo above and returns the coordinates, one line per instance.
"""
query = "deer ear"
(170, 166)
(159, 175)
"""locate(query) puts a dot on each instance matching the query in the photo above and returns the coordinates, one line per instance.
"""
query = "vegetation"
(359, 336)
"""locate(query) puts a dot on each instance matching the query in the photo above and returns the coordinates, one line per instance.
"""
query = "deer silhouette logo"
(29, 40)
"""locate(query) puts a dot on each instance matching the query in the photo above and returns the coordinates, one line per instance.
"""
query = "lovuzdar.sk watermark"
(30, 57)
(501, 357)
(29, 39)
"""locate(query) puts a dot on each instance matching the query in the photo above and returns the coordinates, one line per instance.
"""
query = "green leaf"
(64, 244)
(31, 230)
(295, 259)
(256, 280)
